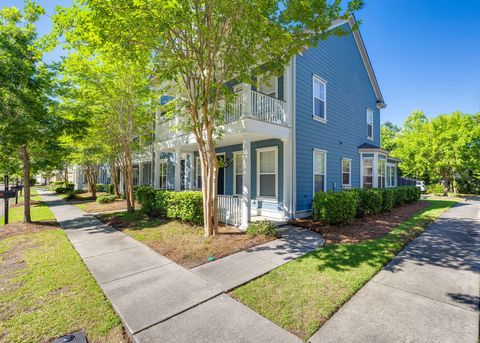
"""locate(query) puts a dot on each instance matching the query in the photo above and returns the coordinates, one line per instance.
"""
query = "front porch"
(253, 182)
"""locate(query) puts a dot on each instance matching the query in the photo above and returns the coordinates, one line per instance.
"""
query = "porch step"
(279, 222)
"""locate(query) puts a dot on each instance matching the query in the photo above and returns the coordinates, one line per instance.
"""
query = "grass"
(182, 242)
(302, 295)
(39, 210)
(47, 292)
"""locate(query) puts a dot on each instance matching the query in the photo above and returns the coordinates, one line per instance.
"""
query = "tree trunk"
(91, 181)
(209, 164)
(128, 181)
(113, 173)
(66, 177)
(26, 184)
(446, 183)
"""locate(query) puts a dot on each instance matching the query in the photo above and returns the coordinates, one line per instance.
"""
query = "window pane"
(346, 179)
(267, 185)
(238, 184)
(267, 161)
(238, 163)
(319, 110)
(346, 166)
(319, 163)
(369, 131)
(319, 183)
(367, 181)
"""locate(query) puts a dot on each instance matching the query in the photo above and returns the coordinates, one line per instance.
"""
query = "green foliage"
(100, 187)
(262, 227)
(388, 199)
(106, 199)
(335, 207)
(62, 190)
(33, 181)
(186, 206)
(146, 196)
(110, 188)
(370, 201)
(388, 135)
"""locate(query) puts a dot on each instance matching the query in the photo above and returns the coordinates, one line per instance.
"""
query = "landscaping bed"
(183, 243)
(95, 207)
(362, 229)
(302, 295)
(46, 290)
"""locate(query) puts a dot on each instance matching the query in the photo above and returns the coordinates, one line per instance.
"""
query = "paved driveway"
(428, 293)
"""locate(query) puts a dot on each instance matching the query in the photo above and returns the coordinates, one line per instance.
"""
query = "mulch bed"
(22, 228)
(362, 229)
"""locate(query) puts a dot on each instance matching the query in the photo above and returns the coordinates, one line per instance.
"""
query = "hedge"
(185, 206)
(341, 207)
(100, 187)
(110, 189)
(106, 199)
(335, 207)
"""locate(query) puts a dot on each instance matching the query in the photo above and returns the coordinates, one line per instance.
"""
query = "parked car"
(421, 185)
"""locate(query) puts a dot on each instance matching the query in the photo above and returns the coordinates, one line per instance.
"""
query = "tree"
(388, 133)
(28, 123)
(112, 95)
(443, 147)
(201, 45)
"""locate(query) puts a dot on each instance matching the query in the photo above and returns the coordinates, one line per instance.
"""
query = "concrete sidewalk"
(428, 293)
(160, 301)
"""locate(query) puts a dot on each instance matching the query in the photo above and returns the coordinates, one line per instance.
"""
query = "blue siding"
(349, 93)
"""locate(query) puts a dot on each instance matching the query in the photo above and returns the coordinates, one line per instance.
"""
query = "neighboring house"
(315, 128)
(79, 178)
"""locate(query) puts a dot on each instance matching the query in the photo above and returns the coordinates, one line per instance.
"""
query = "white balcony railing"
(248, 104)
(230, 209)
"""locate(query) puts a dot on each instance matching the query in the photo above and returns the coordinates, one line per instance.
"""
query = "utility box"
(75, 337)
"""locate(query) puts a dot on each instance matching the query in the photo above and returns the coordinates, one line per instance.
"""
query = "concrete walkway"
(160, 301)
(428, 293)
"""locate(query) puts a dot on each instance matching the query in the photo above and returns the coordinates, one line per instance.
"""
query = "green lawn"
(46, 291)
(301, 295)
(39, 212)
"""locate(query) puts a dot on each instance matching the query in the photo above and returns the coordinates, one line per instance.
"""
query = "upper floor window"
(319, 170)
(319, 98)
(369, 123)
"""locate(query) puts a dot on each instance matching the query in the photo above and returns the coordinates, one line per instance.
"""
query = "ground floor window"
(367, 172)
(381, 173)
(162, 175)
(319, 170)
(135, 175)
(267, 172)
(346, 173)
(146, 173)
(238, 173)
(390, 175)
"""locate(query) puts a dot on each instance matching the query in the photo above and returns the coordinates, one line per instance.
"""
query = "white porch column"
(375, 170)
(247, 182)
(177, 169)
(287, 178)
(156, 173)
(140, 173)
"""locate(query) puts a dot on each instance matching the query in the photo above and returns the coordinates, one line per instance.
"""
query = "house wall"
(349, 93)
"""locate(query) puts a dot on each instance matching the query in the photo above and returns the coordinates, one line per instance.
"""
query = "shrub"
(162, 203)
(33, 182)
(100, 187)
(262, 227)
(335, 207)
(435, 189)
(110, 188)
(146, 198)
(388, 199)
(106, 199)
(369, 201)
(186, 206)
(62, 190)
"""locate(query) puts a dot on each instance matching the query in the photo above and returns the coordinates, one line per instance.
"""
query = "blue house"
(315, 128)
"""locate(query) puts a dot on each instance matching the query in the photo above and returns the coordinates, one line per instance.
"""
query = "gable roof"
(366, 60)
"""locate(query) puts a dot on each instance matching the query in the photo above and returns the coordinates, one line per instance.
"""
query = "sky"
(425, 53)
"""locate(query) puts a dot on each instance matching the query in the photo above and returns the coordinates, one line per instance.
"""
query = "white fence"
(230, 209)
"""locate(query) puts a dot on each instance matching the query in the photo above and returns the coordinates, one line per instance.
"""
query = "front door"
(221, 175)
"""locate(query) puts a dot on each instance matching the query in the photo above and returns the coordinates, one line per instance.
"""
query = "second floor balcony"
(248, 104)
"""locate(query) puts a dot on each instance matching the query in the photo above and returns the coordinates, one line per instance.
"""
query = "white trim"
(362, 167)
(234, 154)
(324, 83)
(325, 152)
(349, 160)
(294, 135)
(260, 150)
(369, 112)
